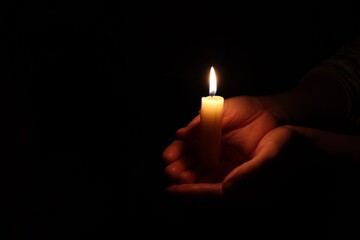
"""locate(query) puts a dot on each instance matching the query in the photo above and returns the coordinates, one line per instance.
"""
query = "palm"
(245, 122)
(242, 131)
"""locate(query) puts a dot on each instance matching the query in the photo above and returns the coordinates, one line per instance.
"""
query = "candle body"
(211, 114)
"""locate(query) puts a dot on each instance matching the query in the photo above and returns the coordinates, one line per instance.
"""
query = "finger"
(251, 166)
(263, 170)
(175, 150)
(178, 171)
(268, 149)
(195, 173)
(198, 189)
(194, 122)
(189, 176)
(190, 131)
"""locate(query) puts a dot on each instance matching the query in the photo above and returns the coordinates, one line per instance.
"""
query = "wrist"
(273, 104)
(318, 101)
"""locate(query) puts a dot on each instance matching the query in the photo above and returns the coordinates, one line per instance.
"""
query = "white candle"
(211, 114)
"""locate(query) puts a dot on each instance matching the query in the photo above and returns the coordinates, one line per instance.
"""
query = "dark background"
(100, 89)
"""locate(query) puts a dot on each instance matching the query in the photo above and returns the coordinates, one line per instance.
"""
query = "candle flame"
(212, 88)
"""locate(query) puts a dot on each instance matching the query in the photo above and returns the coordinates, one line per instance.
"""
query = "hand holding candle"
(211, 115)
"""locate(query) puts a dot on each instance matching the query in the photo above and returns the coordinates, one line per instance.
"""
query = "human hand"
(275, 160)
(246, 121)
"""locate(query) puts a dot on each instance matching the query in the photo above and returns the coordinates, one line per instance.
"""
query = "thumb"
(259, 177)
(248, 180)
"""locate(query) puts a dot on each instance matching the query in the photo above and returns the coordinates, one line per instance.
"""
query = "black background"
(100, 89)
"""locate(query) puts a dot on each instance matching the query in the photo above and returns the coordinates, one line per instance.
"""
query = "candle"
(211, 114)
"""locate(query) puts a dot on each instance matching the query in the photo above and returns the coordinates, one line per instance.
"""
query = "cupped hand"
(246, 121)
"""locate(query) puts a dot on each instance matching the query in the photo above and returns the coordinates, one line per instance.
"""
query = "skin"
(241, 133)
(261, 139)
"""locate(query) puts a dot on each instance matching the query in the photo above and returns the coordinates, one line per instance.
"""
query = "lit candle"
(211, 114)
